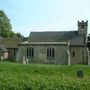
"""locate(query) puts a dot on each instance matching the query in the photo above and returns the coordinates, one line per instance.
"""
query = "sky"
(45, 15)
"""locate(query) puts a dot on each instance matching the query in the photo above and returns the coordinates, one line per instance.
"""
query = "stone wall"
(60, 54)
(40, 54)
(80, 56)
(12, 53)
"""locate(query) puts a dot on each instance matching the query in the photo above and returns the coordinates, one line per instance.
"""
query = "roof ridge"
(52, 31)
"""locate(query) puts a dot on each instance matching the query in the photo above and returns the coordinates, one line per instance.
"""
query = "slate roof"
(3, 49)
(58, 36)
(10, 42)
(78, 41)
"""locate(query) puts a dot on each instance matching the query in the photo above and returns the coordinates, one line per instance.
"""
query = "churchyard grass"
(14, 76)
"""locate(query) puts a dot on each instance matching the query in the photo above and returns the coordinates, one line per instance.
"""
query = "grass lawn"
(15, 76)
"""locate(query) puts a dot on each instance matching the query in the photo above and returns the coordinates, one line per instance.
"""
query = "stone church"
(57, 47)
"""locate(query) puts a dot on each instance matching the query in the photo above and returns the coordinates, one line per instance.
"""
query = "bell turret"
(82, 27)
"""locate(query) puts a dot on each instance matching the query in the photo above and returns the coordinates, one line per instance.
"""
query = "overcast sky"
(45, 15)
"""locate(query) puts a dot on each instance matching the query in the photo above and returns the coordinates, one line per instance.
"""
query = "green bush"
(42, 77)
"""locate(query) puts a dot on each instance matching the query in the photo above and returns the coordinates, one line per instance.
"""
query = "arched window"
(30, 52)
(50, 52)
(73, 54)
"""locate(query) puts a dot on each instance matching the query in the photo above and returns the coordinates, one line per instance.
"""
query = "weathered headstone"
(24, 60)
(80, 73)
(1, 58)
(27, 61)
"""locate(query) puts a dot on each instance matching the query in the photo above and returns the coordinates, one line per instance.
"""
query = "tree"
(19, 35)
(88, 42)
(5, 26)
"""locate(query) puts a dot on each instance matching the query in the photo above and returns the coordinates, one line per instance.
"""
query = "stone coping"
(25, 43)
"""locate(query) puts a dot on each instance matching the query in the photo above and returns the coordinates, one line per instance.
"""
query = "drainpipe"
(68, 52)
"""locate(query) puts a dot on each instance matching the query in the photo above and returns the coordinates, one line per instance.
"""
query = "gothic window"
(53, 52)
(73, 54)
(50, 52)
(30, 52)
(27, 52)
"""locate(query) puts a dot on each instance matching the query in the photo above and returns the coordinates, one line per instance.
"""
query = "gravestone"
(80, 73)
(24, 60)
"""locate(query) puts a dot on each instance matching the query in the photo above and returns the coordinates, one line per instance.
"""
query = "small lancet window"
(73, 54)
(50, 52)
(30, 52)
